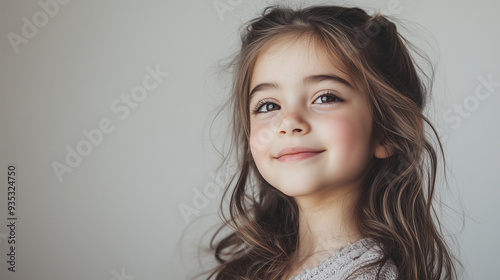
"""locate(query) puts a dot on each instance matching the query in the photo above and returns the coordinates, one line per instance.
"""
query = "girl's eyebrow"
(307, 80)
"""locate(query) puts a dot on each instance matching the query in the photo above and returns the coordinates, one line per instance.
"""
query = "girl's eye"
(265, 106)
(327, 98)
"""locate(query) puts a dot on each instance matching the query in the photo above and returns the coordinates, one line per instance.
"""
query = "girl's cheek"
(260, 137)
(349, 133)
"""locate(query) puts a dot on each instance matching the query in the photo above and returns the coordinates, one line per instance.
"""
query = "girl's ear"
(382, 151)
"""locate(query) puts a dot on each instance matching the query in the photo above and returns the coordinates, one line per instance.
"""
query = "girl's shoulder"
(347, 263)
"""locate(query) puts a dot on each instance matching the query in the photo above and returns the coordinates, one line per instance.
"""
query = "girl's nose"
(293, 124)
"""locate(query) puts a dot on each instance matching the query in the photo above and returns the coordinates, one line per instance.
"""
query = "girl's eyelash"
(331, 94)
(264, 102)
(260, 104)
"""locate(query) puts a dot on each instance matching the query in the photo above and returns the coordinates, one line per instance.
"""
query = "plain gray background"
(117, 214)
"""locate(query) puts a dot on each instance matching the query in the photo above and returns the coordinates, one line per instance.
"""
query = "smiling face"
(309, 128)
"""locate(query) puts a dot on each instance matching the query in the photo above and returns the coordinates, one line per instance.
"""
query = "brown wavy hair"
(395, 206)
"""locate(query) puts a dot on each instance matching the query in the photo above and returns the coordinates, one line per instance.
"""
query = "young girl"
(336, 175)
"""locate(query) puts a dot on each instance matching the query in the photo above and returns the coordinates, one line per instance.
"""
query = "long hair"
(395, 206)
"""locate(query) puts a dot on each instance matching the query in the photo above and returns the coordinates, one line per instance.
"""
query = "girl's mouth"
(298, 156)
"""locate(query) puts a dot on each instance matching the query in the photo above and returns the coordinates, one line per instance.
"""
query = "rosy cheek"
(258, 140)
(340, 129)
(348, 134)
(261, 136)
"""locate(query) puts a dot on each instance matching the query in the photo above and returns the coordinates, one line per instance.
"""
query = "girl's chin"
(298, 191)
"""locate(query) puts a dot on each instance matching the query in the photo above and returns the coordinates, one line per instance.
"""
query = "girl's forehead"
(300, 56)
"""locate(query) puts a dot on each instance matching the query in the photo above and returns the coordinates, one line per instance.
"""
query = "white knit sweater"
(347, 262)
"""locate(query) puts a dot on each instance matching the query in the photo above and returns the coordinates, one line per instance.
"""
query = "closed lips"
(297, 150)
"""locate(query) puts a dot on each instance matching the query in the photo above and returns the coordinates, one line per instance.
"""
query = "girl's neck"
(326, 224)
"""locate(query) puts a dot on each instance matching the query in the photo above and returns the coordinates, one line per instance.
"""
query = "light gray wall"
(116, 214)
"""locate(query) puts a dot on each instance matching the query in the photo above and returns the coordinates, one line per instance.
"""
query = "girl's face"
(310, 129)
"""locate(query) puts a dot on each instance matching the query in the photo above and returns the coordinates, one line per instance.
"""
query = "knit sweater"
(347, 262)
